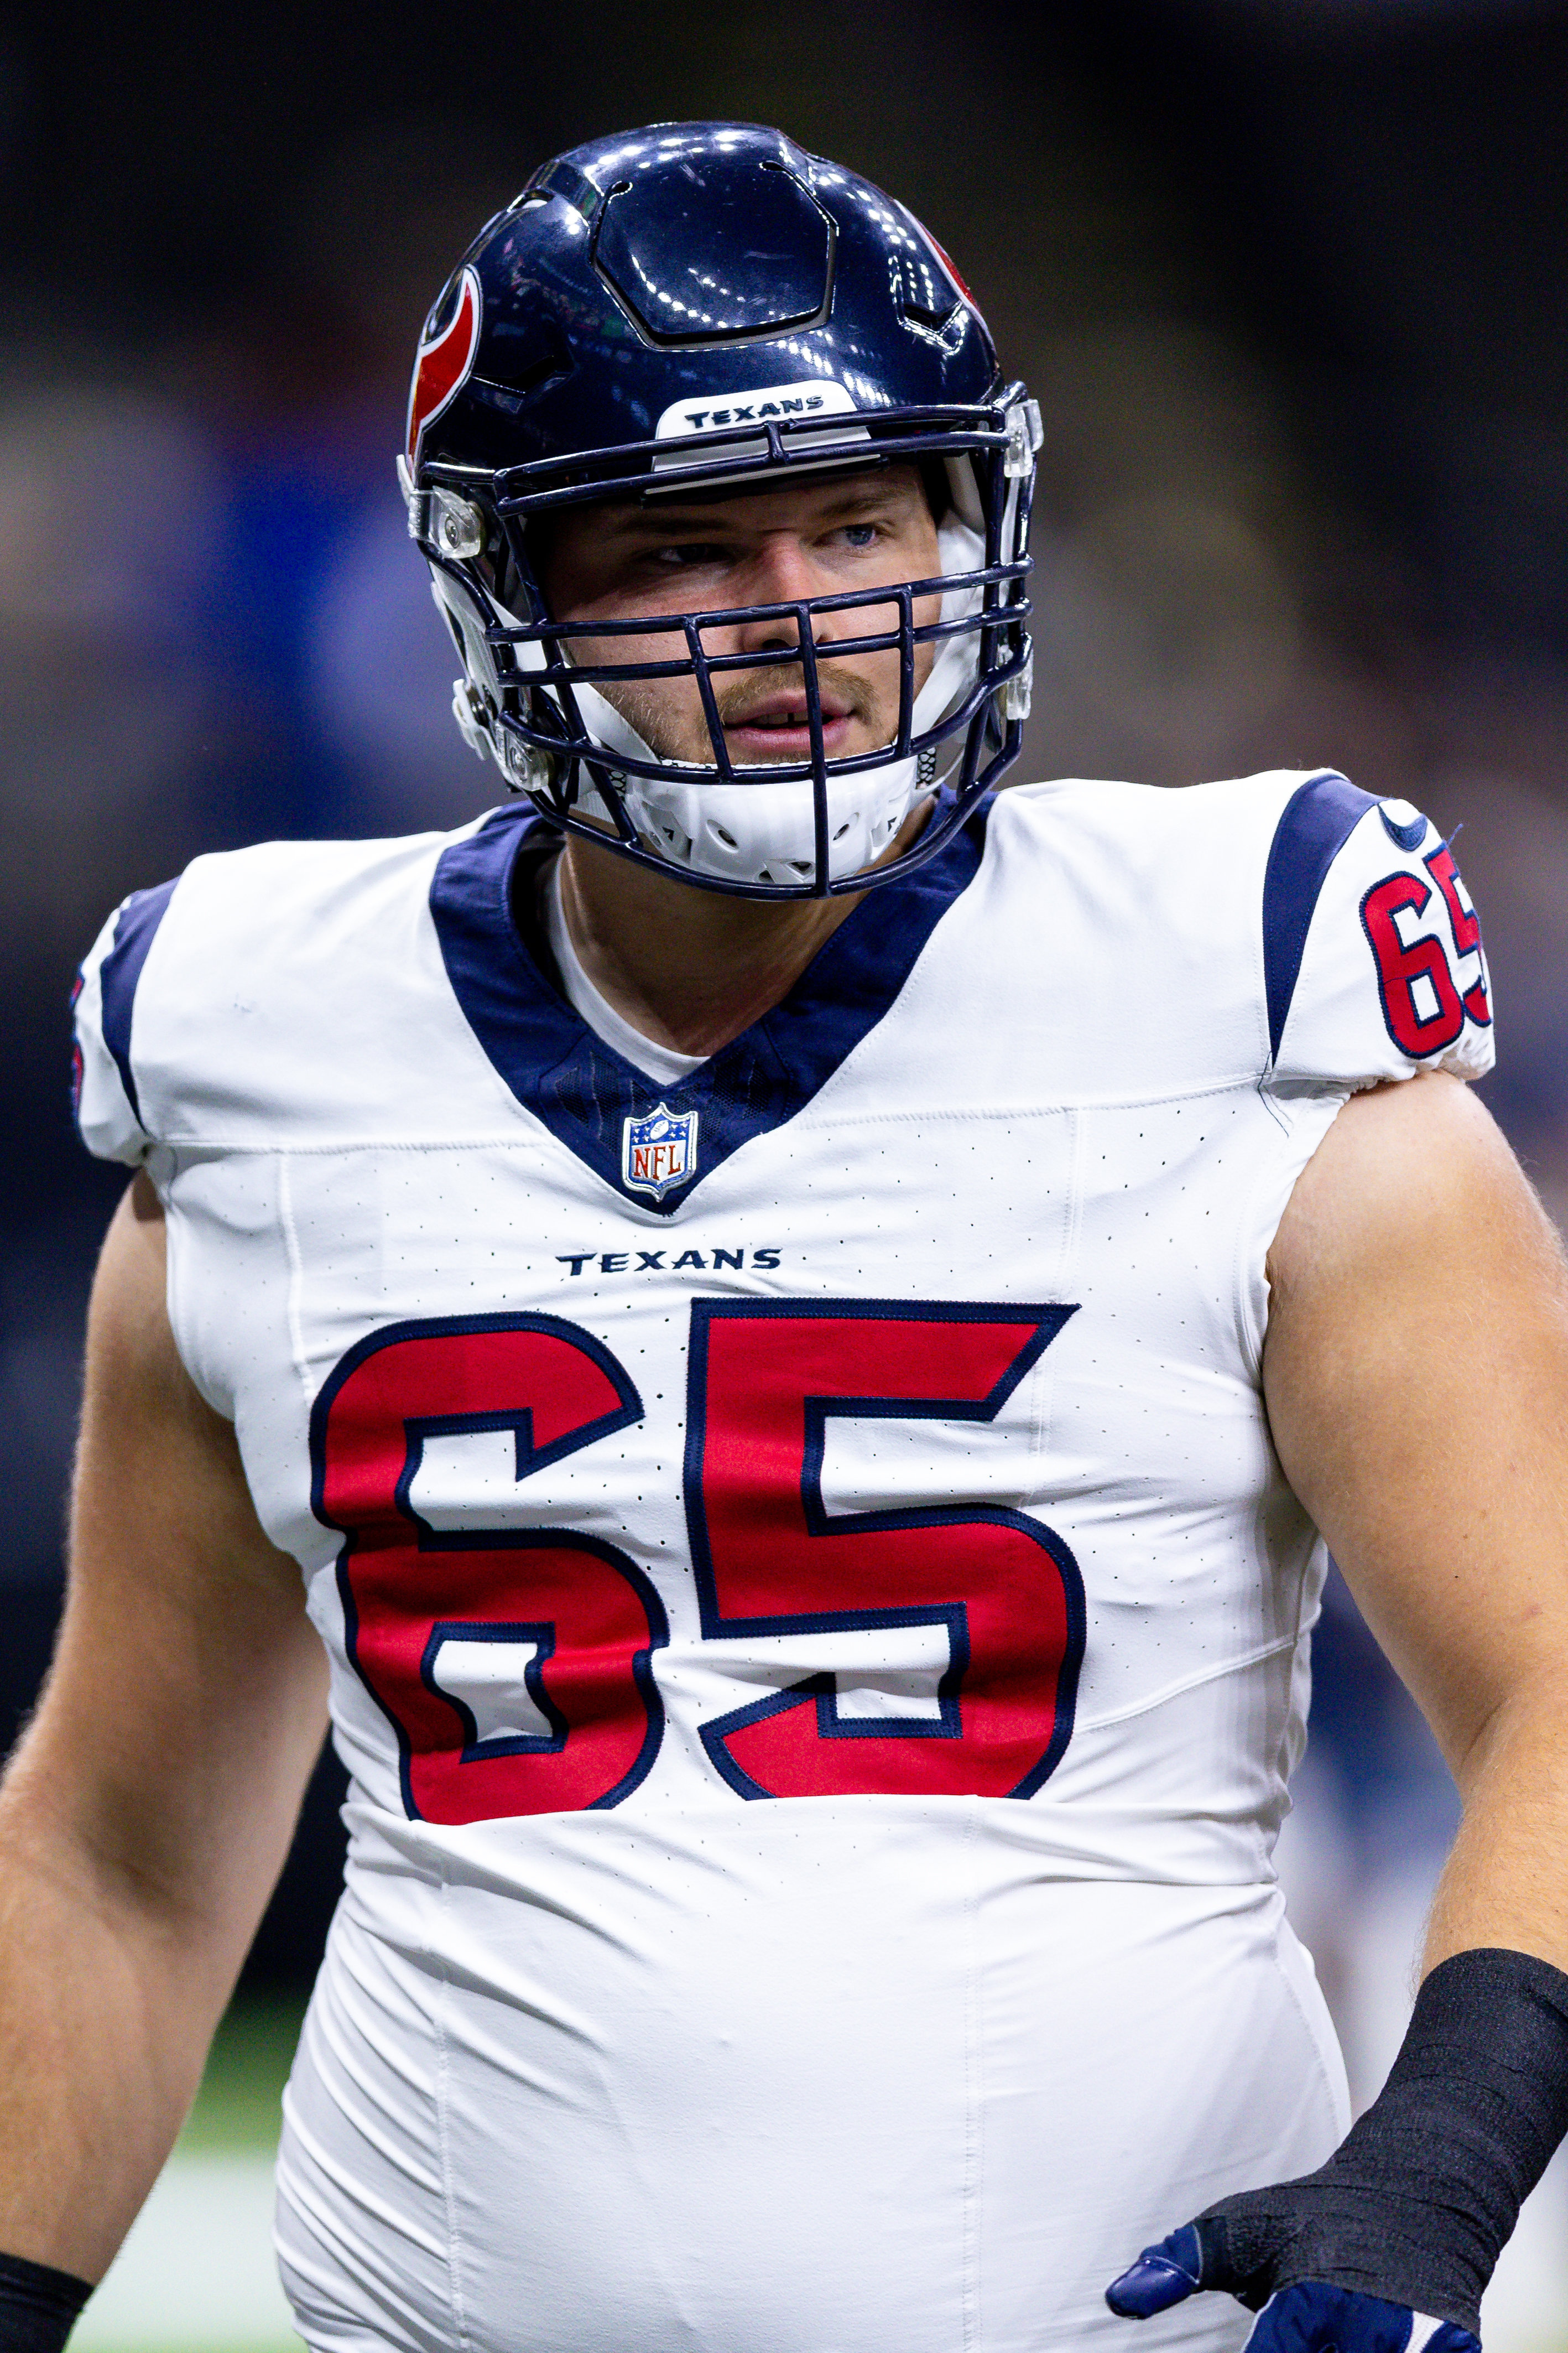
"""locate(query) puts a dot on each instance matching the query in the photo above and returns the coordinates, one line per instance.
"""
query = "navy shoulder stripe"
(133, 935)
(1317, 821)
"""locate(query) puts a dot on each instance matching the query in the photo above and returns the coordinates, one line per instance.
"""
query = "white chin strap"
(766, 832)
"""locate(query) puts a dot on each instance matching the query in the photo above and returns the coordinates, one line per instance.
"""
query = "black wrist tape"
(1421, 2197)
(38, 2307)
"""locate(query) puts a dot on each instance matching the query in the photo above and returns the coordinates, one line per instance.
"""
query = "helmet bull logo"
(445, 357)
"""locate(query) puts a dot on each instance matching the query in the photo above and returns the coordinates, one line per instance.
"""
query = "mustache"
(842, 692)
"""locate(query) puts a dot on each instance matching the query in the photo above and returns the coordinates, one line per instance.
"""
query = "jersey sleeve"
(1373, 966)
(106, 1099)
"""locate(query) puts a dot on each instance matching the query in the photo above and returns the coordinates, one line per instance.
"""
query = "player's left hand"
(1304, 2317)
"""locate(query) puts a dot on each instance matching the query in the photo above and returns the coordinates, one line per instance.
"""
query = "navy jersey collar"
(585, 1092)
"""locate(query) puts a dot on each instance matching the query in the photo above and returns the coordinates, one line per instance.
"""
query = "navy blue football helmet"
(705, 306)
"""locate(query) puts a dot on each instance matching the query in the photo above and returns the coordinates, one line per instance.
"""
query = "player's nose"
(783, 571)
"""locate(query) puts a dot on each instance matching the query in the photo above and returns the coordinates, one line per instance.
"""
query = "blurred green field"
(197, 2274)
(238, 2105)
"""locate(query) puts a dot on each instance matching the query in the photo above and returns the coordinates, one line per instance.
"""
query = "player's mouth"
(779, 729)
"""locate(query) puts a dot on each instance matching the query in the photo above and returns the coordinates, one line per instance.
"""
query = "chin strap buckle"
(1025, 434)
(527, 769)
(1018, 692)
(471, 712)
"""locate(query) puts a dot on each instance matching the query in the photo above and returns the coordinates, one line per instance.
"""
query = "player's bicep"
(186, 1702)
(1416, 1379)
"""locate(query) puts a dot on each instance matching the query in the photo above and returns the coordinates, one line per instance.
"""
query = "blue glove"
(1306, 2317)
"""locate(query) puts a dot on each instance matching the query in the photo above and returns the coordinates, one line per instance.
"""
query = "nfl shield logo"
(658, 1151)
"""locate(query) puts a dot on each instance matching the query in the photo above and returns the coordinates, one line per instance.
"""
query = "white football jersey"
(818, 1629)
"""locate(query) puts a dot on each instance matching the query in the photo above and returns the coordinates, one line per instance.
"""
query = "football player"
(783, 1329)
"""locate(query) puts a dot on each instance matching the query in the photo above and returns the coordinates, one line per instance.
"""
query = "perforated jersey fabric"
(818, 1630)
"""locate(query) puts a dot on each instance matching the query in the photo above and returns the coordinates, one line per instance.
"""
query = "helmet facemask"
(803, 827)
(610, 336)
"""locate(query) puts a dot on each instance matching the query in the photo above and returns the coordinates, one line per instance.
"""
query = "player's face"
(766, 547)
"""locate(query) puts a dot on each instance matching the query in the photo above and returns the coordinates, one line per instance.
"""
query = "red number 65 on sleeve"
(1425, 1003)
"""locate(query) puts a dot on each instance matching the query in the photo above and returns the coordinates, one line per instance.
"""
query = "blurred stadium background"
(1284, 274)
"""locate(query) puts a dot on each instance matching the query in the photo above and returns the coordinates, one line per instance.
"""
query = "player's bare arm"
(146, 1814)
(1417, 1378)
(1416, 1373)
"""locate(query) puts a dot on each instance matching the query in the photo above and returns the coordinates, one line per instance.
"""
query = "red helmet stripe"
(441, 366)
(947, 262)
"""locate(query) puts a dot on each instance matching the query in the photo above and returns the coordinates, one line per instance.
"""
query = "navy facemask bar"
(545, 740)
(562, 673)
(719, 454)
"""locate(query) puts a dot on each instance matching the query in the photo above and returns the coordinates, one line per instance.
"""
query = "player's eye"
(689, 553)
(861, 534)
